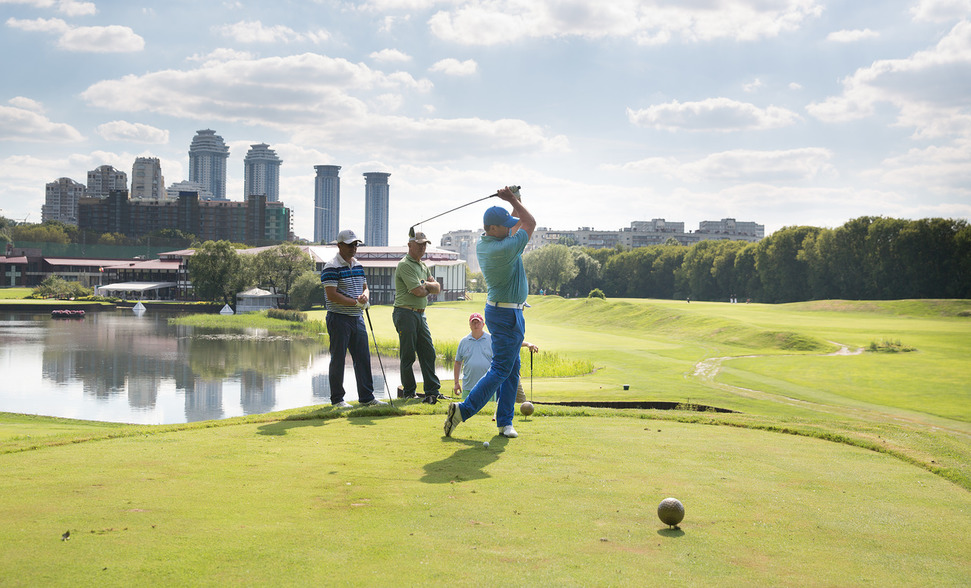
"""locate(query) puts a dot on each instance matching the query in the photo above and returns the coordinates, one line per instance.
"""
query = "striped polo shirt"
(348, 278)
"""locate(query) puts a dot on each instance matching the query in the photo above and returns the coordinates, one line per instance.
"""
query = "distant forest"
(868, 258)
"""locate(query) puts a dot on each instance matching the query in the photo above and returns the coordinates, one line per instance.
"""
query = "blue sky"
(782, 112)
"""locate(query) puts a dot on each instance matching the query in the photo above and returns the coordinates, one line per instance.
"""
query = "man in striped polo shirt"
(347, 296)
(500, 255)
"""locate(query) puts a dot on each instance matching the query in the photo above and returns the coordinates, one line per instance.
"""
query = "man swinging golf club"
(500, 254)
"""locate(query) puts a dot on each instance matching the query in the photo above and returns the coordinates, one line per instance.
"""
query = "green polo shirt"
(408, 276)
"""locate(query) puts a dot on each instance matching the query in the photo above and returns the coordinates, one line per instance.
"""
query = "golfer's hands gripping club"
(363, 302)
(510, 194)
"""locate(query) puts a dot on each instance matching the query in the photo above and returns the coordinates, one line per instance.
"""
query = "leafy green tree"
(307, 291)
(664, 271)
(748, 285)
(882, 257)
(113, 239)
(51, 232)
(474, 281)
(723, 268)
(962, 255)
(784, 277)
(278, 267)
(550, 267)
(58, 287)
(218, 272)
(588, 273)
(696, 271)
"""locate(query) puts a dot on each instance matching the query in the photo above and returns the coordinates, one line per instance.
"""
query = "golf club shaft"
(411, 231)
(387, 389)
(530, 374)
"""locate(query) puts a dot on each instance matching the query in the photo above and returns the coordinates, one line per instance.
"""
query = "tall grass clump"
(546, 364)
(294, 316)
(888, 346)
(447, 351)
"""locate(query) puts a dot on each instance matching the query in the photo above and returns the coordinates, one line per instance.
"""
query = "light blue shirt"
(476, 357)
(501, 261)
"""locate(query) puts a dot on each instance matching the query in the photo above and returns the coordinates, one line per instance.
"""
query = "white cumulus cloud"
(24, 121)
(99, 39)
(390, 56)
(68, 7)
(454, 67)
(941, 10)
(120, 130)
(931, 89)
(246, 31)
(713, 114)
(851, 36)
(646, 22)
(742, 165)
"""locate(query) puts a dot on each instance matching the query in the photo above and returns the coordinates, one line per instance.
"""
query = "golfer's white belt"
(506, 305)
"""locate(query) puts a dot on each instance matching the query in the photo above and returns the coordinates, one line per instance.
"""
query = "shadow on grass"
(467, 463)
(675, 532)
(362, 415)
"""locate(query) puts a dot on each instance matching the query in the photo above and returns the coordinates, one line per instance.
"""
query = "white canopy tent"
(136, 289)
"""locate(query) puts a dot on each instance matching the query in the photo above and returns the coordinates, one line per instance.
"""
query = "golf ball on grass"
(526, 408)
(485, 444)
(670, 511)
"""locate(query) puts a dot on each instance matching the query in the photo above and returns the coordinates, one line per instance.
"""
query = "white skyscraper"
(147, 182)
(376, 202)
(327, 203)
(207, 162)
(61, 201)
(261, 173)
(104, 179)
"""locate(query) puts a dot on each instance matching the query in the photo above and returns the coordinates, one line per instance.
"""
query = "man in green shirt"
(413, 282)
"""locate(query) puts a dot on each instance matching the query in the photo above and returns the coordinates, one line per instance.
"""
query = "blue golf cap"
(500, 217)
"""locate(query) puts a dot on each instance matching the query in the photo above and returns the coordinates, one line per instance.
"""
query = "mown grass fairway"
(870, 484)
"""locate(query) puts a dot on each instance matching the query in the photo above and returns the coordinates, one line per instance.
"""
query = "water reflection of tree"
(220, 356)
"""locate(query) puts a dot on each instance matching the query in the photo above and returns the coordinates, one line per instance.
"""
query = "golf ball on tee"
(670, 511)
(485, 444)
(526, 408)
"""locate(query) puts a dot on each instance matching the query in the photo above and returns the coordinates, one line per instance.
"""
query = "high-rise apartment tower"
(376, 209)
(147, 182)
(261, 173)
(61, 201)
(207, 162)
(327, 203)
(105, 179)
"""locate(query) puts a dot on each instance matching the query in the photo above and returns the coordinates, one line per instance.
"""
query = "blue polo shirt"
(501, 261)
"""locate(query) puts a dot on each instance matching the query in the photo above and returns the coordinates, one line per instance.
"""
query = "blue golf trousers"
(347, 333)
(508, 329)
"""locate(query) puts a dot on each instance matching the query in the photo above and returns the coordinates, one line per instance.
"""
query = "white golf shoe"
(508, 431)
(453, 419)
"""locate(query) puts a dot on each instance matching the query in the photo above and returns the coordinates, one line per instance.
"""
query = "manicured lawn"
(836, 469)
(374, 500)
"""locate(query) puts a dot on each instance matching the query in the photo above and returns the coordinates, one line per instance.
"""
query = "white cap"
(348, 236)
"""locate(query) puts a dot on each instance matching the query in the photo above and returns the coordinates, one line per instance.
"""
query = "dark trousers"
(414, 339)
(347, 333)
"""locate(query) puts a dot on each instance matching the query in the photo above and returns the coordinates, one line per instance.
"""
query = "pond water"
(120, 367)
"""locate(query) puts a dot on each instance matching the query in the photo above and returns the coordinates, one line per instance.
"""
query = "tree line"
(869, 257)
